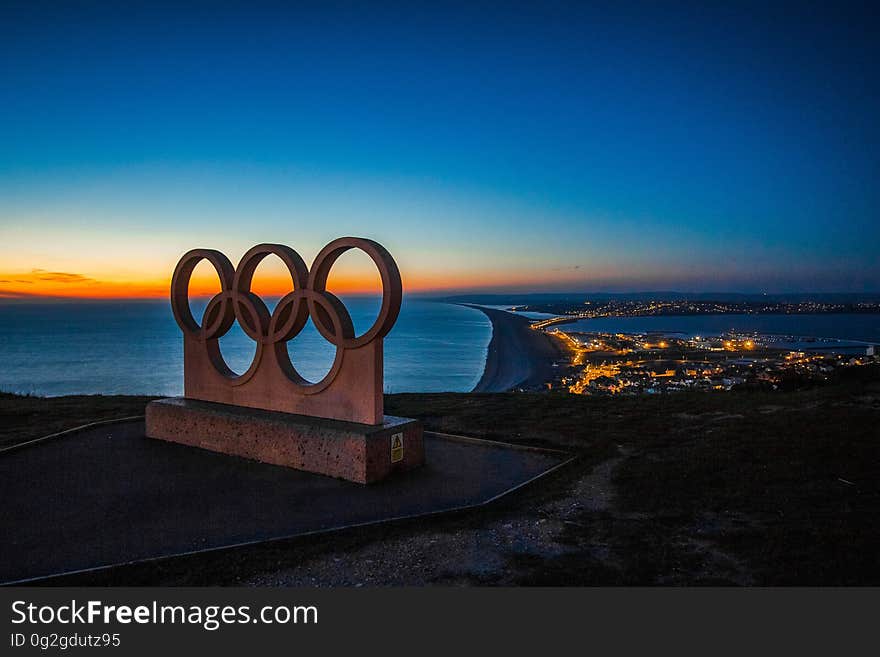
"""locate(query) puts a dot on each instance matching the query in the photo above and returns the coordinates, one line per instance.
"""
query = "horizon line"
(437, 294)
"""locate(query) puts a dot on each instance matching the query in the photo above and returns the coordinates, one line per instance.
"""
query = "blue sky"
(542, 146)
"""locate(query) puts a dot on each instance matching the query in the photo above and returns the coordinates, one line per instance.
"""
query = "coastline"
(517, 357)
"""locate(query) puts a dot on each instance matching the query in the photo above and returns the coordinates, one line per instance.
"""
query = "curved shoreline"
(517, 357)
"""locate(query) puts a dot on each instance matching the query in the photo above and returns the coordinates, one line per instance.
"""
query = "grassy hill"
(704, 488)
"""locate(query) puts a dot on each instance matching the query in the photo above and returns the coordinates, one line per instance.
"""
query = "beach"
(517, 357)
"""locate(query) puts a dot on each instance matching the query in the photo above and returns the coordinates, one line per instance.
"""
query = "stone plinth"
(347, 450)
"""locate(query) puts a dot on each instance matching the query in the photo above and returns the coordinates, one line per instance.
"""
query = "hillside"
(727, 488)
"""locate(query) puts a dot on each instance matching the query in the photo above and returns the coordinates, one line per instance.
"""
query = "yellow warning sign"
(396, 447)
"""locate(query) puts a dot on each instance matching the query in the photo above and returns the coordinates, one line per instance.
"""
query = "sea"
(136, 347)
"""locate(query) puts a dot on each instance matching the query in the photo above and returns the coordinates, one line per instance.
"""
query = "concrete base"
(357, 452)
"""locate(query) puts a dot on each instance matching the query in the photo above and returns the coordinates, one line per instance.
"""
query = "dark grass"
(26, 417)
(784, 485)
(712, 488)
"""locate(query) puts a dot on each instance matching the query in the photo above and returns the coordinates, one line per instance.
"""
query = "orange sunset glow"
(40, 283)
(45, 284)
(353, 274)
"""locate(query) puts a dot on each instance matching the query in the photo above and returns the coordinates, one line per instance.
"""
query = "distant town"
(567, 311)
(612, 364)
(602, 363)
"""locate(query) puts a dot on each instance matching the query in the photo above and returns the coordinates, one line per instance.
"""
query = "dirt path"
(480, 554)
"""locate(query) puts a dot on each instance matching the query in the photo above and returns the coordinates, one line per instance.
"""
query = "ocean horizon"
(136, 347)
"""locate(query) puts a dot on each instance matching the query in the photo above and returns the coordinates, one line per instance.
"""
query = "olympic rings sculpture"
(309, 298)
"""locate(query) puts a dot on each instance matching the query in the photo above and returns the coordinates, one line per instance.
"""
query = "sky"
(489, 146)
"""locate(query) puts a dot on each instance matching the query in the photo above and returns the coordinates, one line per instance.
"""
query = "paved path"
(108, 495)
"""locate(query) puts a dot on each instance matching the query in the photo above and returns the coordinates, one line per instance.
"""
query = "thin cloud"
(15, 294)
(60, 276)
(44, 284)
